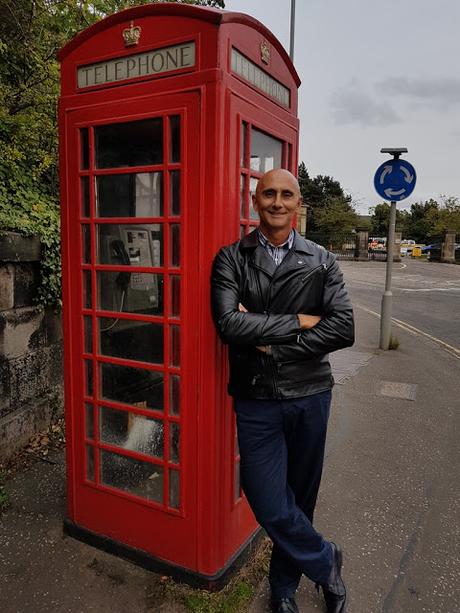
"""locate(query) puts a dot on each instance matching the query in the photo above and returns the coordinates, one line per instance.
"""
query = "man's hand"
(308, 321)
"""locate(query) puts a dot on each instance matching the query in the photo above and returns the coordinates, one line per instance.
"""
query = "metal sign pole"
(387, 298)
(291, 45)
(394, 180)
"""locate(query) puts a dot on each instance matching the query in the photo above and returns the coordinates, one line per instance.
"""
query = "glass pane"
(242, 197)
(130, 245)
(243, 160)
(175, 295)
(90, 463)
(175, 192)
(131, 340)
(174, 442)
(132, 386)
(135, 476)
(237, 483)
(84, 149)
(84, 186)
(252, 190)
(137, 143)
(130, 292)
(266, 151)
(130, 431)
(86, 243)
(89, 421)
(174, 489)
(174, 358)
(89, 377)
(87, 289)
(88, 332)
(130, 195)
(174, 146)
(174, 394)
(175, 245)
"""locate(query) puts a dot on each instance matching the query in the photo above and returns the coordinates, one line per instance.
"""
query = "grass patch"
(394, 343)
(165, 595)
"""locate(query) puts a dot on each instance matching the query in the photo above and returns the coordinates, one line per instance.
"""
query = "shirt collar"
(263, 240)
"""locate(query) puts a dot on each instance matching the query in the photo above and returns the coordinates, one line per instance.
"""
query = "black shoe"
(334, 592)
(284, 605)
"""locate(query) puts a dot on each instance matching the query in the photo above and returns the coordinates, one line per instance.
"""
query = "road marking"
(430, 289)
(413, 330)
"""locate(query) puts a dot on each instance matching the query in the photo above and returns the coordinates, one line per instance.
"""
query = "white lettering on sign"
(259, 78)
(139, 65)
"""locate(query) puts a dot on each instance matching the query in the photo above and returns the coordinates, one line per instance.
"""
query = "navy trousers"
(282, 451)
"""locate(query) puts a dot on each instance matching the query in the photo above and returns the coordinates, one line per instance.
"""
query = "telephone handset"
(123, 278)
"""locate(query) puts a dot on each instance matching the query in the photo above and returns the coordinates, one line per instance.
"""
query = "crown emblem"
(131, 35)
(264, 52)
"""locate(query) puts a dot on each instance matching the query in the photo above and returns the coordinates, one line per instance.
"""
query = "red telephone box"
(168, 115)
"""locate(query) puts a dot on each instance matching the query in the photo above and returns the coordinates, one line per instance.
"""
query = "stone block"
(19, 426)
(53, 323)
(5, 396)
(15, 247)
(6, 287)
(20, 331)
(29, 377)
(26, 282)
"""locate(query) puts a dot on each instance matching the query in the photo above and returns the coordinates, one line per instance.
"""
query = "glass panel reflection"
(252, 190)
(130, 292)
(174, 489)
(130, 245)
(86, 243)
(131, 340)
(175, 192)
(174, 394)
(89, 420)
(84, 149)
(88, 332)
(130, 431)
(136, 143)
(174, 147)
(135, 476)
(175, 245)
(84, 187)
(132, 386)
(174, 358)
(174, 442)
(130, 195)
(90, 463)
(243, 161)
(89, 377)
(266, 151)
(242, 198)
(87, 289)
(237, 481)
(175, 295)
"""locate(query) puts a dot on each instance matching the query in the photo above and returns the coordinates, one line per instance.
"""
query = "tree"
(31, 33)
(380, 220)
(330, 209)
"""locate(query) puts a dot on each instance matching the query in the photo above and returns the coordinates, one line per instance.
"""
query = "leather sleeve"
(234, 327)
(334, 331)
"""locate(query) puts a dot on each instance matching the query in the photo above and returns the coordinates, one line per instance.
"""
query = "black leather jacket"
(309, 281)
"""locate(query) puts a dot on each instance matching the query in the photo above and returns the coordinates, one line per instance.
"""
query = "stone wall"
(31, 370)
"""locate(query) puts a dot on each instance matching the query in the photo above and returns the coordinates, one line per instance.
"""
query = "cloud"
(353, 106)
(438, 93)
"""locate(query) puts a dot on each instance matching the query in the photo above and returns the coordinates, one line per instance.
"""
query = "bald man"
(280, 304)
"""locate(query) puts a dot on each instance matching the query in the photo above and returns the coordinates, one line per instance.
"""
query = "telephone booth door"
(132, 258)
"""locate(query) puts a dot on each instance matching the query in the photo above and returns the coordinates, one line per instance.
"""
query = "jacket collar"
(251, 241)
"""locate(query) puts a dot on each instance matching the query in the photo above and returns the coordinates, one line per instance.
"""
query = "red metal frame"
(212, 524)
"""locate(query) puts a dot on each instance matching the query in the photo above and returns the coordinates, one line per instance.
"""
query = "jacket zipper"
(313, 270)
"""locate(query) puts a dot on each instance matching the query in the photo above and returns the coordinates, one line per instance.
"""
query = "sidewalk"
(389, 496)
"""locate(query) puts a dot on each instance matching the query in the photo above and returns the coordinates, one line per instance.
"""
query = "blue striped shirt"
(276, 252)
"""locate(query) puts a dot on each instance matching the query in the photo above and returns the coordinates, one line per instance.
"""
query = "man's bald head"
(277, 175)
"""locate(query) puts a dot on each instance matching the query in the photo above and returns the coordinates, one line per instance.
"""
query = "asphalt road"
(425, 294)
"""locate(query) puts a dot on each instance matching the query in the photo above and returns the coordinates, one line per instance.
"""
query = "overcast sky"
(374, 74)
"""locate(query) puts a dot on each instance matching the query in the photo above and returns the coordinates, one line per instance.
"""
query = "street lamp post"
(291, 44)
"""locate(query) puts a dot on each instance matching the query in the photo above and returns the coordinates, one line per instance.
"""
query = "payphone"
(169, 114)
